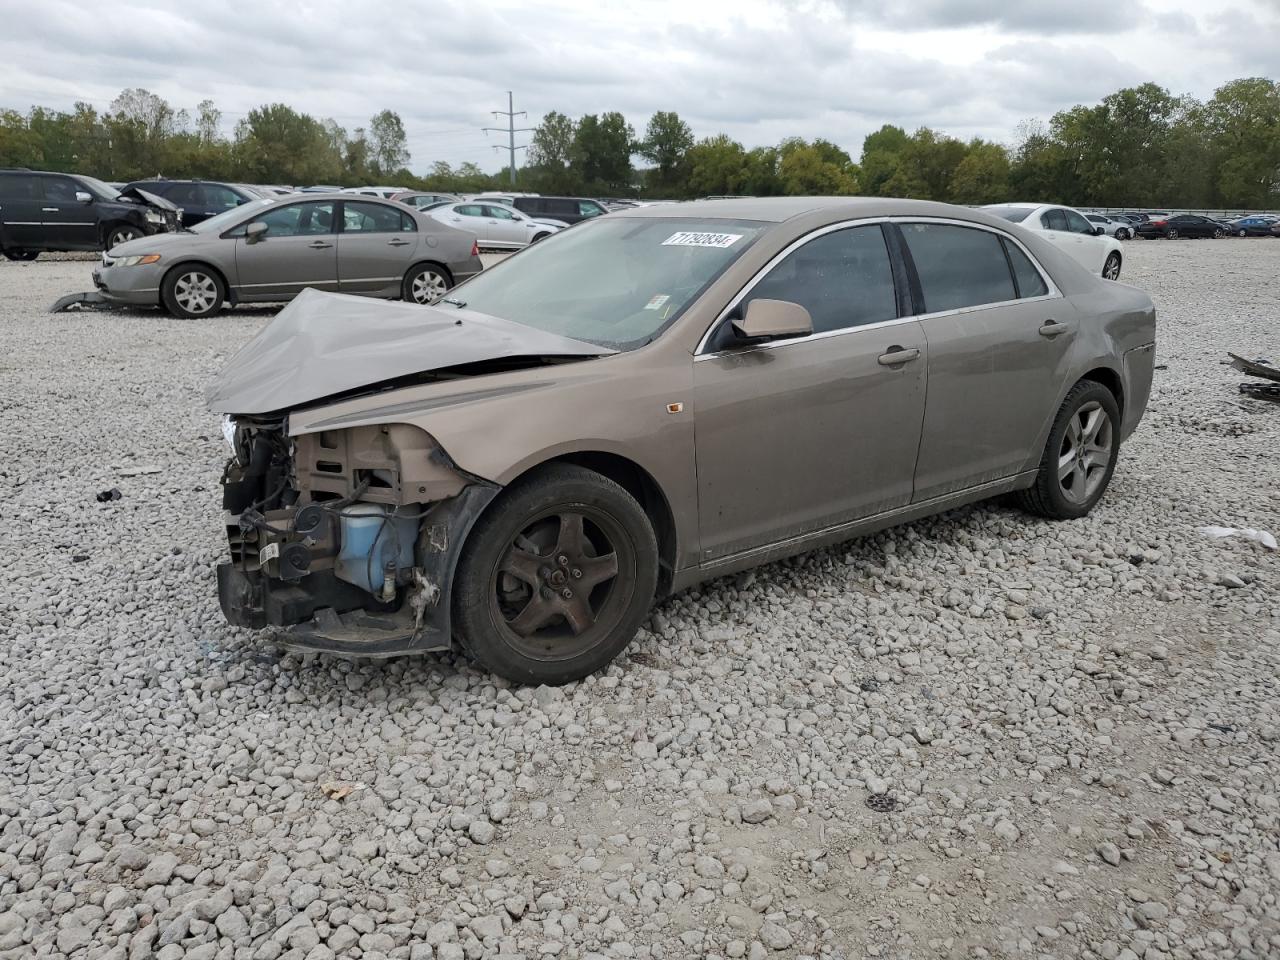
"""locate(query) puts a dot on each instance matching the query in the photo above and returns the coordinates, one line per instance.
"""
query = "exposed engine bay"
(346, 537)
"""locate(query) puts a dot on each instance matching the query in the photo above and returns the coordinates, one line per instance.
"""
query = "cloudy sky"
(758, 70)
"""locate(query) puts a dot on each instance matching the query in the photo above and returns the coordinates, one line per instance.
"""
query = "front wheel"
(1219, 233)
(1172, 234)
(426, 283)
(1111, 269)
(1242, 232)
(1079, 457)
(122, 234)
(556, 577)
(540, 236)
(192, 291)
(23, 256)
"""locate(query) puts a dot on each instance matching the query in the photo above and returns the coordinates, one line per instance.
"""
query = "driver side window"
(844, 279)
(1054, 219)
(1077, 223)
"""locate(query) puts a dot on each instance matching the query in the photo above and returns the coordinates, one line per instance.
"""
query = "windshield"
(1012, 214)
(616, 282)
(229, 218)
(100, 189)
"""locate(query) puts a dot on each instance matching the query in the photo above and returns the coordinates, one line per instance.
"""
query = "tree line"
(1140, 147)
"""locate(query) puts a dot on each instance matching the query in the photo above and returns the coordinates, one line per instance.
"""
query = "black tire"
(192, 291)
(523, 559)
(1049, 496)
(22, 256)
(425, 283)
(1111, 268)
(1242, 232)
(1123, 234)
(1219, 233)
(120, 233)
(1172, 233)
(539, 236)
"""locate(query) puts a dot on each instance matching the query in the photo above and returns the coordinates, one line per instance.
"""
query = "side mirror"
(771, 319)
(255, 231)
(83, 197)
(1099, 231)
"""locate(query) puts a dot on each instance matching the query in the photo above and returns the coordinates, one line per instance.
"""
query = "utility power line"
(511, 130)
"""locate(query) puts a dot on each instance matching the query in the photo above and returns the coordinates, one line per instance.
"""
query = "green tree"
(715, 166)
(982, 176)
(1243, 122)
(666, 140)
(815, 169)
(881, 153)
(388, 144)
(602, 153)
(551, 151)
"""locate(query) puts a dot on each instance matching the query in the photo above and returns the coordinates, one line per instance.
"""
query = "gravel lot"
(980, 735)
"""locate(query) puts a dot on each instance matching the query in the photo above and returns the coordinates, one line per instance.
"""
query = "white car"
(1119, 229)
(1070, 231)
(386, 193)
(494, 224)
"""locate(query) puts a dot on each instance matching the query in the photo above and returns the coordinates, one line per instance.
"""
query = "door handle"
(1052, 328)
(318, 245)
(896, 356)
(50, 209)
(397, 243)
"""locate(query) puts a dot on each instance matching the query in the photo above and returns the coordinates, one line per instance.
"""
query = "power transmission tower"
(510, 130)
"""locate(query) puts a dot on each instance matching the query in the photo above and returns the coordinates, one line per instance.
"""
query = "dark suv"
(568, 209)
(65, 211)
(199, 199)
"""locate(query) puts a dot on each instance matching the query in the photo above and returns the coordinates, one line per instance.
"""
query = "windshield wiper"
(455, 302)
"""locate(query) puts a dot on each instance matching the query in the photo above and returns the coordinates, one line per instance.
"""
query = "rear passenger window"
(1030, 282)
(17, 187)
(361, 217)
(958, 266)
(843, 279)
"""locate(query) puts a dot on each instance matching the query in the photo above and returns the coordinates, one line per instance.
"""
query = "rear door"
(376, 246)
(298, 251)
(20, 201)
(468, 216)
(999, 335)
(799, 435)
(216, 198)
(69, 223)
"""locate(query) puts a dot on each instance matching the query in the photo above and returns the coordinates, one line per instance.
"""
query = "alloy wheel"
(1219, 234)
(1111, 269)
(121, 235)
(428, 286)
(559, 588)
(1087, 448)
(195, 292)
(1173, 233)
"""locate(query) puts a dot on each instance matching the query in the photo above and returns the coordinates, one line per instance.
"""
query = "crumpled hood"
(324, 344)
(146, 196)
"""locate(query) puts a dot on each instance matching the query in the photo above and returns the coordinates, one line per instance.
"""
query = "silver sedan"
(495, 224)
(272, 249)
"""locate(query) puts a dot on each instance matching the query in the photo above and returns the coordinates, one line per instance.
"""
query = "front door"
(798, 435)
(505, 229)
(998, 338)
(375, 248)
(68, 222)
(299, 250)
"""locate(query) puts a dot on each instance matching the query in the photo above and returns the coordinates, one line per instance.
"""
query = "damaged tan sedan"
(661, 396)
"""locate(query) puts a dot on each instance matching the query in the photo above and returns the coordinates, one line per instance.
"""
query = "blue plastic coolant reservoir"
(371, 538)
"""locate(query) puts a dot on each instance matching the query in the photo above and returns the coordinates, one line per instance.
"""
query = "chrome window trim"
(700, 354)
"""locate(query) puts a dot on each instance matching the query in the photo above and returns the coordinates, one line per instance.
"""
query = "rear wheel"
(121, 233)
(22, 255)
(1242, 232)
(426, 283)
(192, 291)
(556, 577)
(1111, 269)
(1172, 233)
(1079, 457)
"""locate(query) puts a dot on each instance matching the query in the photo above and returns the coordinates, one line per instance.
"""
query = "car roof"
(779, 209)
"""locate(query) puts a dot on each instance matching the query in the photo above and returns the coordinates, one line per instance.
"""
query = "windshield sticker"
(656, 302)
(686, 238)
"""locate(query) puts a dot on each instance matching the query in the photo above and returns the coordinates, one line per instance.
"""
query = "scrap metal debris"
(88, 300)
(1258, 368)
(339, 789)
(106, 495)
(1264, 537)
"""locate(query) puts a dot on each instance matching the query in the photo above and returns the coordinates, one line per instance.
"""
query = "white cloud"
(758, 70)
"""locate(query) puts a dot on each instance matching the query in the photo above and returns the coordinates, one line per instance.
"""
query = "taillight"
(1158, 223)
(475, 248)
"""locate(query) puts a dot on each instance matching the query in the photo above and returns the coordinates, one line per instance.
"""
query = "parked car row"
(272, 248)
(1070, 231)
(1154, 224)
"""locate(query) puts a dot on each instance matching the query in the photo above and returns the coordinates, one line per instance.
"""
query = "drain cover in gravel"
(882, 803)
